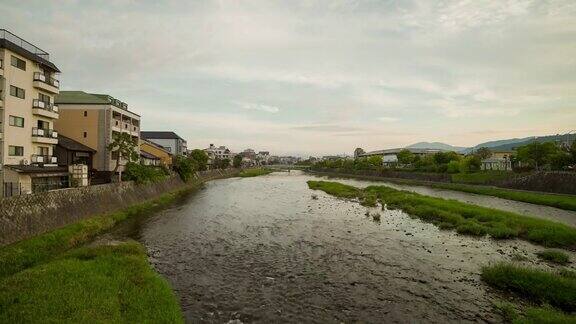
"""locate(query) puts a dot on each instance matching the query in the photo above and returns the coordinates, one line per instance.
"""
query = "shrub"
(185, 167)
(143, 173)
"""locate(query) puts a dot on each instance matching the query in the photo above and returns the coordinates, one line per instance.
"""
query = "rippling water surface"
(264, 250)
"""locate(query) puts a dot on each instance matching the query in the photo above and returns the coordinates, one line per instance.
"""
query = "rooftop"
(159, 135)
(398, 150)
(72, 145)
(85, 98)
(20, 46)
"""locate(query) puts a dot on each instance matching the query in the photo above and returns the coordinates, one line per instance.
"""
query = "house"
(70, 152)
(220, 153)
(154, 153)
(94, 120)
(499, 160)
(170, 141)
(28, 84)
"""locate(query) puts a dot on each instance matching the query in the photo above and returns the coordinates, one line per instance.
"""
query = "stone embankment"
(30, 215)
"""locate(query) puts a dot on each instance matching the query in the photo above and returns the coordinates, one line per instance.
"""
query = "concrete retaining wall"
(29, 215)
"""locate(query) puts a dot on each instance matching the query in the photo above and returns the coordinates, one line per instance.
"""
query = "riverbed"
(268, 249)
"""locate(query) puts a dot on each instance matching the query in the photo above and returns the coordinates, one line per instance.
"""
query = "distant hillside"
(511, 144)
(436, 146)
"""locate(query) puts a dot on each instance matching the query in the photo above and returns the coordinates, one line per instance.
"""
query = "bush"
(144, 173)
(185, 167)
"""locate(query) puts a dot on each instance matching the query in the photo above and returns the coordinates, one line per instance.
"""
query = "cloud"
(296, 75)
(260, 107)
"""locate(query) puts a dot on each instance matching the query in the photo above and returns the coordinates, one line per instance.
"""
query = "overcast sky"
(318, 77)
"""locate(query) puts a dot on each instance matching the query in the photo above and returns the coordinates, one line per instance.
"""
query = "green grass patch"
(554, 256)
(567, 202)
(106, 284)
(539, 286)
(24, 254)
(466, 218)
(481, 177)
(248, 173)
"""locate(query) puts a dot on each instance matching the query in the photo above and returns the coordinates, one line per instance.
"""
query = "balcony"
(44, 136)
(44, 159)
(46, 83)
(45, 109)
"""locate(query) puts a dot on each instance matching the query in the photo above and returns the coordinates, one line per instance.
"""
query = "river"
(268, 249)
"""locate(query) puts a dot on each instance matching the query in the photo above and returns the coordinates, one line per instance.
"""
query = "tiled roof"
(72, 145)
(159, 135)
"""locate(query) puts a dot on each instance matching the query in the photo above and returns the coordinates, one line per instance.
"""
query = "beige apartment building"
(92, 120)
(28, 85)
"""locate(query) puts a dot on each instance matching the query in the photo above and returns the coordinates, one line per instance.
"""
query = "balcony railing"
(37, 103)
(44, 159)
(48, 133)
(4, 34)
(39, 76)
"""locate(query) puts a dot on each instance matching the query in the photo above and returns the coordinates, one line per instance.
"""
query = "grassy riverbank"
(97, 284)
(247, 173)
(464, 218)
(567, 202)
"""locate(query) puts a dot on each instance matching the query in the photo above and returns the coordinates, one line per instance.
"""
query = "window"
(44, 98)
(85, 113)
(42, 150)
(21, 64)
(15, 150)
(85, 134)
(17, 92)
(16, 121)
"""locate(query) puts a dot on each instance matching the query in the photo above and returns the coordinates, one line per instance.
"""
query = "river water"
(268, 249)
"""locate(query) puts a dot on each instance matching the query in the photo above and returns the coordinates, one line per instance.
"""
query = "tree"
(123, 146)
(221, 163)
(470, 163)
(405, 157)
(375, 160)
(483, 153)
(237, 161)
(537, 154)
(201, 159)
(184, 167)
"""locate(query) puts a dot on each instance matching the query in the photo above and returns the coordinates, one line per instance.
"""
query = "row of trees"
(547, 156)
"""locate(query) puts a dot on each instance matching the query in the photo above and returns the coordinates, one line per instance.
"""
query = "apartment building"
(28, 85)
(93, 120)
(170, 141)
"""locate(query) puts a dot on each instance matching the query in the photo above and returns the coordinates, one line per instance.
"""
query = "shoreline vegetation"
(56, 277)
(560, 201)
(553, 292)
(464, 218)
(255, 172)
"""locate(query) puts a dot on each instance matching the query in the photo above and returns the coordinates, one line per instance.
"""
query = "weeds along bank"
(561, 201)
(30, 215)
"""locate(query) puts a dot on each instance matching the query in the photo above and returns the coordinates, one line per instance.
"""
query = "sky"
(318, 77)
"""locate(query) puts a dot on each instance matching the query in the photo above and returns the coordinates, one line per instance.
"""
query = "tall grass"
(465, 218)
(106, 284)
(536, 285)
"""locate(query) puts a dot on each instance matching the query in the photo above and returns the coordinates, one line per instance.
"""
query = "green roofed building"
(92, 119)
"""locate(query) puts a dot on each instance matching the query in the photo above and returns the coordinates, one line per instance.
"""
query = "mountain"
(511, 144)
(435, 146)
